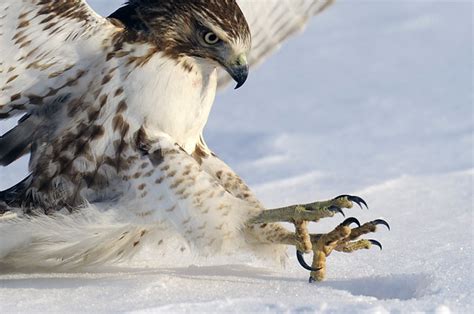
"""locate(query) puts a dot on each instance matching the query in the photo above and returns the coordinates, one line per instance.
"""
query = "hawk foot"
(343, 239)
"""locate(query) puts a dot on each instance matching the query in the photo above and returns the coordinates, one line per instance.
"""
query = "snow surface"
(375, 99)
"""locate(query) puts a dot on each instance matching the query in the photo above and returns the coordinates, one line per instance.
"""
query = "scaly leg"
(308, 212)
(342, 238)
(300, 215)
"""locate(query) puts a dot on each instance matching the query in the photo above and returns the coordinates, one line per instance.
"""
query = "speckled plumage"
(113, 113)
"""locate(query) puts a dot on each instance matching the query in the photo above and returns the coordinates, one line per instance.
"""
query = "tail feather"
(69, 241)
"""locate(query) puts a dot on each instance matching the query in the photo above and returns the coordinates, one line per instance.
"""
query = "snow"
(375, 99)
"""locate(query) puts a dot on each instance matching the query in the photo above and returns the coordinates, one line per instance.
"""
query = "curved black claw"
(336, 209)
(358, 200)
(377, 243)
(380, 222)
(300, 257)
(350, 221)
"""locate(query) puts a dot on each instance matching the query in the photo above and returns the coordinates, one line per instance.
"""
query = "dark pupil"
(212, 37)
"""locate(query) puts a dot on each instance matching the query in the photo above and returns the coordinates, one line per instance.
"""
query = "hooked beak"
(239, 70)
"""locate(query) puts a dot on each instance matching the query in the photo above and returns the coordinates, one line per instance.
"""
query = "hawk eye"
(211, 39)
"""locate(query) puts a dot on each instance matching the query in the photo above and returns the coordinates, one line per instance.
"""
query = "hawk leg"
(343, 238)
(308, 212)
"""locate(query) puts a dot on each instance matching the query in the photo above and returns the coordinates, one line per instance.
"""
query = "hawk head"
(213, 30)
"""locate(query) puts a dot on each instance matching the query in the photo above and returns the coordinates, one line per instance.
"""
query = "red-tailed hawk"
(113, 111)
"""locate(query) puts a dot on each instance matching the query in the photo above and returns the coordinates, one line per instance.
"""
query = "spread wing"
(45, 47)
(46, 52)
(272, 22)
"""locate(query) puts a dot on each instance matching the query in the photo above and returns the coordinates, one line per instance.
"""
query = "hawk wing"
(272, 22)
(45, 47)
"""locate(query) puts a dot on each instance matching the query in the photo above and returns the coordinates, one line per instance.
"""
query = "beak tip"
(239, 84)
(241, 78)
(239, 74)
